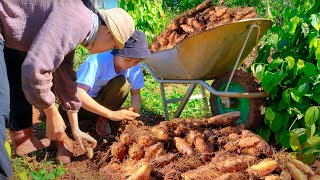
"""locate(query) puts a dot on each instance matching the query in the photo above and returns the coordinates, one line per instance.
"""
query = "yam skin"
(126, 138)
(183, 147)
(272, 177)
(145, 140)
(161, 134)
(143, 173)
(136, 151)
(232, 176)
(230, 129)
(119, 150)
(232, 163)
(295, 173)
(154, 150)
(315, 177)
(164, 160)
(263, 168)
(303, 167)
(284, 175)
(224, 120)
(191, 137)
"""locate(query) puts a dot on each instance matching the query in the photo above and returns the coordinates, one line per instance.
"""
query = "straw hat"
(120, 23)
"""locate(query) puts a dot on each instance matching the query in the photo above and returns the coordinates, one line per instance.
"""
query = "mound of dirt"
(201, 18)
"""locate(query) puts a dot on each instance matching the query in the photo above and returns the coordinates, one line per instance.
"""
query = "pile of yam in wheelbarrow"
(213, 148)
(201, 18)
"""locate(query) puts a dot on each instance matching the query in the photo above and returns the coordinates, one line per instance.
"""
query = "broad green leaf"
(305, 29)
(315, 21)
(298, 136)
(308, 4)
(276, 123)
(300, 64)
(269, 116)
(258, 72)
(293, 25)
(312, 115)
(303, 89)
(285, 139)
(274, 64)
(308, 155)
(310, 130)
(286, 96)
(317, 52)
(266, 80)
(309, 69)
(50, 176)
(295, 95)
(291, 62)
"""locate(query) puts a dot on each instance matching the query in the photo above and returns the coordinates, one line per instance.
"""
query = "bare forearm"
(136, 102)
(89, 104)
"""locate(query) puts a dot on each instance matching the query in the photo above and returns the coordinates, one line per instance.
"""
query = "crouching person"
(105, 79)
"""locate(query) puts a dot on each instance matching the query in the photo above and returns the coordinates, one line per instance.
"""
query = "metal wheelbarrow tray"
(205, 56)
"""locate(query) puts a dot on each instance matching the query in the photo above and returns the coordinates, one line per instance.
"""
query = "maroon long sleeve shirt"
(49, 31)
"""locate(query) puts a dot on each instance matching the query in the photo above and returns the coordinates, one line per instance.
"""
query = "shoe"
(102, 126)
(65, 150)
(24, 142)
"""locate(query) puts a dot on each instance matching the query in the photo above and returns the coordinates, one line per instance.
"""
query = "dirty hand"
(55, 126)
(81, 137)
(123, 114)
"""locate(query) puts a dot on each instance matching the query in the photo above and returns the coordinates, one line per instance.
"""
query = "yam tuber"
(272, 177)
(143, 173)
(303, 167)
(164, 160)
(160, 133)
(248, 142)
(154, 150)
(263, 168)
(232, 163)
(191, 137)
(126, 138)
(119, 150)
(230, 129)
(295, 173)
(224, 120)
(136, 151)
(145, 140)
(182, 146)
(315, 177)
(284, 175)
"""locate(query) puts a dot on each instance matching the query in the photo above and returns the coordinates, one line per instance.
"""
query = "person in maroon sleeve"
(49, 32)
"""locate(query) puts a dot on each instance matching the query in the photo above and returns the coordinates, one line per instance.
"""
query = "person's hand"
(81, 137)
(123, 114)
(55, 126)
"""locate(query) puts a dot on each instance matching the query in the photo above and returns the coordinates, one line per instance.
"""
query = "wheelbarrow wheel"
(250, 109)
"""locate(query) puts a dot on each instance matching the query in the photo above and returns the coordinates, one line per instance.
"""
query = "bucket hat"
(120, 24)
(135, 47)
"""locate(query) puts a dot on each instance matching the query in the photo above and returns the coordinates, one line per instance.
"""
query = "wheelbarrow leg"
(164, 102)
(185, 99)
(205, 99)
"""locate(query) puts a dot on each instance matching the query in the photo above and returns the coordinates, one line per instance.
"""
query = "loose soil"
(220, 150)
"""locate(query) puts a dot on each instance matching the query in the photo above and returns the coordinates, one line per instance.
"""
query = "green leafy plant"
(288, 67)
(148, 16)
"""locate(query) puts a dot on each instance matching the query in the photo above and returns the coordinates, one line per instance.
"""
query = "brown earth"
(227, 153)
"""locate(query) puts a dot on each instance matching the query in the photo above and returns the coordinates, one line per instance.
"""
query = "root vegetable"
(182, 146)
(207, 133)
(89, 153)
(164, 160)
(303, 167)
(160, 134)
(229, 176)
(119, 150)
(248, 142)
(263, 168)
(315, 177)
(136, 151)
(191, 137)
(220, 11)
(126, 138)
(187, 28)
(232, 163)
(230, 129)
(143, 173)
(249, 16)
(272, 177)
(295, 173)
(284, 175)
(202, 148)
(203, 5)
(145, 140)
(211, 141)
(233, 136)
(224, 120)
(154, 150)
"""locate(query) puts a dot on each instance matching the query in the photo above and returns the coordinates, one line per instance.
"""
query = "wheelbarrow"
(214, 55)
